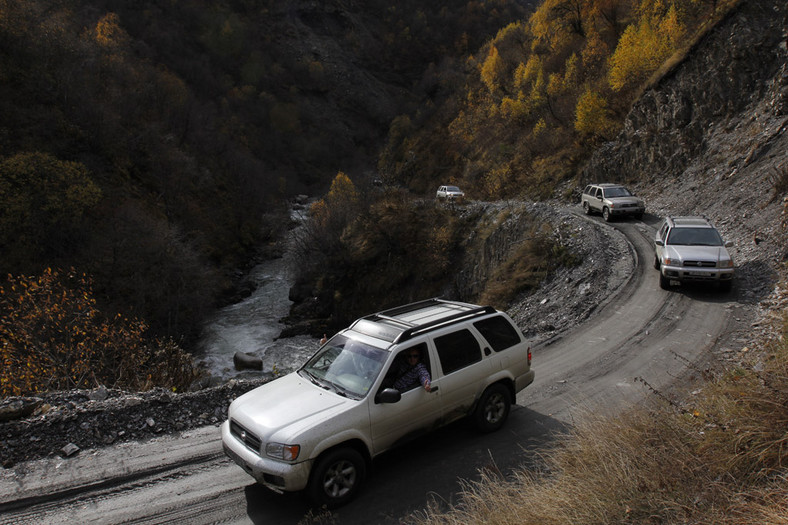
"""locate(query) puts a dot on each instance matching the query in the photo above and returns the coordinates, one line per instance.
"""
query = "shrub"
(52, 337)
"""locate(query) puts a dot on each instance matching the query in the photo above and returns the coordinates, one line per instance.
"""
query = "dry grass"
(720, 458)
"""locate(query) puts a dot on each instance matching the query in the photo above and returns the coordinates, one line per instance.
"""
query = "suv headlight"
(725, 263)
(672, 262)
(282, 451)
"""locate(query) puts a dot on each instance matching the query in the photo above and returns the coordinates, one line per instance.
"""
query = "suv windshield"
(617, 192)
(694, 237)
(345, 366)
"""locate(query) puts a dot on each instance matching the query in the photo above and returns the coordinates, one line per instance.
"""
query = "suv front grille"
(701, 264)
(244, 436)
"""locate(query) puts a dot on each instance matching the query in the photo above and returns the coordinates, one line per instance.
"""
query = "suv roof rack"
(690, 219)
(411, 328)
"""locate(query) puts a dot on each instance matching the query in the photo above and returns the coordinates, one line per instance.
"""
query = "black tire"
(586, 208)
(725, 286)
(656, 263)
(606, 214)
(336, 477)
(664, 282)
(493, 408)
(639, 216)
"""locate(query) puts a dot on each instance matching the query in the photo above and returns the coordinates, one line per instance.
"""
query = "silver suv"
(451, 193)
(611, 200)
(318, 428)
(691, 249)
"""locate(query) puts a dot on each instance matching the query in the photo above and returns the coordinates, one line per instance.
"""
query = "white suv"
(691, 249)
(318, 428)
(449, 193)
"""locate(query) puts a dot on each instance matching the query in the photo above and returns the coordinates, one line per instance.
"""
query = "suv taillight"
(529, 356)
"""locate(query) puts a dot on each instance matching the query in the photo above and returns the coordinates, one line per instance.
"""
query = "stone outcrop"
(738, 70)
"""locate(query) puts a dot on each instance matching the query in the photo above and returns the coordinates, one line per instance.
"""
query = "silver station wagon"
(388, 377)
(611, 200)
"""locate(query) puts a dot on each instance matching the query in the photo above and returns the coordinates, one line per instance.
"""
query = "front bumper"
(631, 210)
(276, 475)
(687, 274)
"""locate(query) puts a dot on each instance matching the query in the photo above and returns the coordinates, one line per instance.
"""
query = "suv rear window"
(457, 350)
(499, 332)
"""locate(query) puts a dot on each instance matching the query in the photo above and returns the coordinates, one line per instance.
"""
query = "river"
(251, 326)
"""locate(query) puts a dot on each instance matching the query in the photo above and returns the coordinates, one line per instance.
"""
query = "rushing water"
(251, 325)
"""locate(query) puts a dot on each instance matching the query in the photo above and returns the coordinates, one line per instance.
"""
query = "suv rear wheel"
(586, 208)
(336, 477)
(493, 408)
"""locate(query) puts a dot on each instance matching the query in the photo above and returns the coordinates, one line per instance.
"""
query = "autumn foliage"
(541, 95)
(52, 337)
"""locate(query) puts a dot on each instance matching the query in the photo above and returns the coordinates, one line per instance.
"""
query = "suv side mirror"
(728, 244)
(388, 395)
(659, 242)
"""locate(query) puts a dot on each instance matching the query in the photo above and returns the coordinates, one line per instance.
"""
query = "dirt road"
(639, 332)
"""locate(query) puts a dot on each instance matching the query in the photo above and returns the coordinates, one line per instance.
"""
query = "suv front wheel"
(336, 478)
(493, 408)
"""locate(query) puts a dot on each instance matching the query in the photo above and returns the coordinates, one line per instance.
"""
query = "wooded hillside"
(152, 146)
(530, 106)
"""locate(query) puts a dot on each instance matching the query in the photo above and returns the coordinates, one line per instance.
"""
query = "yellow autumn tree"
(333, 212)
(591, 115)
(109, 32)
(493, 70)
(644, 46)
(54, 337)
(527, 73)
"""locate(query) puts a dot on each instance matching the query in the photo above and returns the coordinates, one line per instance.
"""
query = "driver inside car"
(412, 371)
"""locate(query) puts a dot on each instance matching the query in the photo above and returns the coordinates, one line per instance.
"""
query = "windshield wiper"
(316, 380)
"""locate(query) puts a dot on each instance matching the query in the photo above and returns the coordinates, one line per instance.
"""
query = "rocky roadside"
(753, 215)
(65, 423)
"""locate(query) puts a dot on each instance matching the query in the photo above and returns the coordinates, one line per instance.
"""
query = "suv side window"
(663, 231)
(498, 332)
(457, 350)
(401, 365)
(587, 190)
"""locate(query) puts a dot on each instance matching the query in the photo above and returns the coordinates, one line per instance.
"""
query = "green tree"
(43, 201)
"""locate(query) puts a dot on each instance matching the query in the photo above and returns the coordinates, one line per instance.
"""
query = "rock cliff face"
(737, 72)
